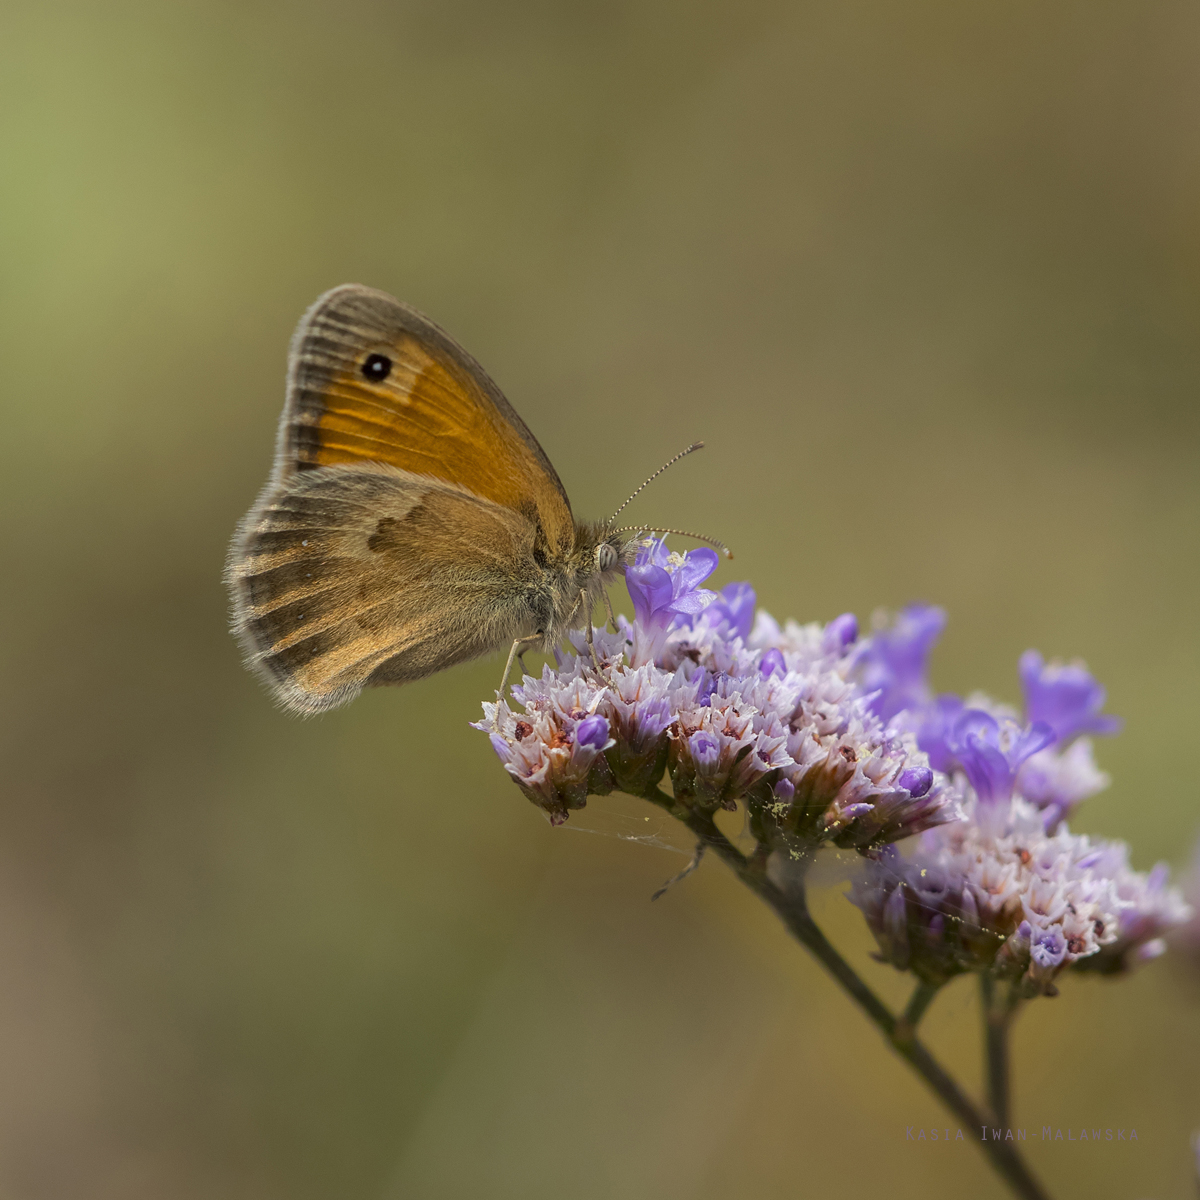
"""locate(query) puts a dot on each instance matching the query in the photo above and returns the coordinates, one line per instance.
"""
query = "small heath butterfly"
(411, 520)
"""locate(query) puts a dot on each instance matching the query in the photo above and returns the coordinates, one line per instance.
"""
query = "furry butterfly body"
(411, 520)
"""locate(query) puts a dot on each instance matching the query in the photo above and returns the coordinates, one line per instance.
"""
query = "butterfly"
(411, 520)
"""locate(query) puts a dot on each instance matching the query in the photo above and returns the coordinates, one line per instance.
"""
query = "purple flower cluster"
(555, 749)
(1008, 889)
(826, 737)
(1014, 900)
(737, 710)
(1147, 908)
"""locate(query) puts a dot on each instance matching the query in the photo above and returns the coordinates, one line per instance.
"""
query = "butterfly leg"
(587, 627)
(611, 615)
(514, 652)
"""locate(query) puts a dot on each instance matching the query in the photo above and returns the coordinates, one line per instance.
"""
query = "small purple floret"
(660, 595)
(592, 731)
(895, 660)
(706, 684)
(991, 754)
(733, 608)
(1049, 948)
(1067, 698)
(916, 781)
(651, 591)
(840, 632)
(772, 664)
(705, 750)
(934, 724)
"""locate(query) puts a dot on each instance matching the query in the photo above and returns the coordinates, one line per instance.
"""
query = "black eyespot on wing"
(376, 367)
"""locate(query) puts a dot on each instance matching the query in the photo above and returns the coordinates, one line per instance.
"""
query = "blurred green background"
(926, 277)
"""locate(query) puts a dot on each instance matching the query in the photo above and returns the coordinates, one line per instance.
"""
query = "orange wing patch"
(422, 419)
(436, 413)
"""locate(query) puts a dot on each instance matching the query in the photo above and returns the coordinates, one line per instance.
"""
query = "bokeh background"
(926, 277)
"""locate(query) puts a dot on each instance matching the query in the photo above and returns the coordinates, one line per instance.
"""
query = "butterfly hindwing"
(347, 576)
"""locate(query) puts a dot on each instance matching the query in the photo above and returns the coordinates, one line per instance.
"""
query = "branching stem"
(791, 907)
(918, 1002)
(997, 1019)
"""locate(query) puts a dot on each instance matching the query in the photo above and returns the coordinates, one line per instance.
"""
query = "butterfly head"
(602, 552)
(606, 557)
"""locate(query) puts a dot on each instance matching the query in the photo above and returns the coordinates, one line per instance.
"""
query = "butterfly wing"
(435, 412)
(409, 516)
(348, 576)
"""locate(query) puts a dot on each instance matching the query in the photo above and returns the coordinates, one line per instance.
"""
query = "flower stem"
(792, 908)
(918, 1002)
(997, 1016)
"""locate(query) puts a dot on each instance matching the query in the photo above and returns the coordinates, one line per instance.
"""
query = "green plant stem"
(792, 908)
(997, 1017)
(918, 1002)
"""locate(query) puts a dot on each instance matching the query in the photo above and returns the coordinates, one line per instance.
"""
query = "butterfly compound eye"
(606, 557)
(376, 367)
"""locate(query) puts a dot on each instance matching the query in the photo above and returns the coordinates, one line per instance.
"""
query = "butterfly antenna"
(671, 463)
(700, 537)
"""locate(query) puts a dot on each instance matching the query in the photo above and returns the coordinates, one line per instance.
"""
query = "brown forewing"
(436, 414)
